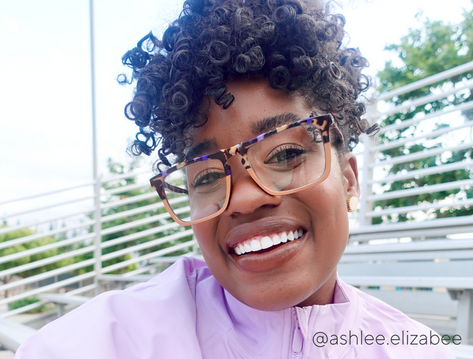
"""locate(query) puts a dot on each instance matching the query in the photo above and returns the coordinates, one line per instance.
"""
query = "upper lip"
(260, 227)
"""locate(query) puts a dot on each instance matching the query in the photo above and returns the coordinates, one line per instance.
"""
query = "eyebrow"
(202, 148)
(261, 126)
(269, 123)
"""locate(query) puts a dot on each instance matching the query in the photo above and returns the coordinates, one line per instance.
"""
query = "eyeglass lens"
(285, 161)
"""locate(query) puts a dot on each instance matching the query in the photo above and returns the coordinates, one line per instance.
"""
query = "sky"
(45, 97)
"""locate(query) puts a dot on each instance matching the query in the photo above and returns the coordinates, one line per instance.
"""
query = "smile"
(259, 243)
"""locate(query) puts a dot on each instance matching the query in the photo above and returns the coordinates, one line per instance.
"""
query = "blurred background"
(67, 231)
(45, 95)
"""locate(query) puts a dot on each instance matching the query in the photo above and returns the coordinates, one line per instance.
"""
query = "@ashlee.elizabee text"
(321, 339)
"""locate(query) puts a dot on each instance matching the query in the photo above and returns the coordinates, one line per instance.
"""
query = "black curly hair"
(297, 45)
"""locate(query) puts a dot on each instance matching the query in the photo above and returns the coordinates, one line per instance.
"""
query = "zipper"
(296, 338)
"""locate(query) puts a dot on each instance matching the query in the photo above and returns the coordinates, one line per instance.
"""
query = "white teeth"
(283, 237)
(255, 245)
(266, 242)
(290, 236)
(247, 247)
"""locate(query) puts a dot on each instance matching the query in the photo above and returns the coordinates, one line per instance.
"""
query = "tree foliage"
(435, 47)
(19, 233)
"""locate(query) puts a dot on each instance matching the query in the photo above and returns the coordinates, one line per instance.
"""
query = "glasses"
(282, 161)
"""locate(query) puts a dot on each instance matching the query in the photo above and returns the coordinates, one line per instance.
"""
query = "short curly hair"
(297, 45)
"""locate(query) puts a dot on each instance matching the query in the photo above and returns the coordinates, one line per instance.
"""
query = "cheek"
(205, 233)
(326, 207)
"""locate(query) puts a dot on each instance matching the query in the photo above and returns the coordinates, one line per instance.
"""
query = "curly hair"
(296, 45)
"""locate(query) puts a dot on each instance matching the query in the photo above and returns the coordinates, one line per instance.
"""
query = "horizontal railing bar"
(424, 100)
(431, 134)
(126, 188)
(23, 309)
(43, 221)
(81, 290)
(48, 193)
(144, 270)
(141, 234)
(47, 207)
(47, 287)
(422, 154)
(48, 274)
(36, 236)
(420, 190)
(40, 249)
(133, 236)
(417, 246)
(45, 261)
(425, 171)
(397, 281)
(141, 209)
(129, 200)
(132, 212)
(455, 222)
(443, 112)
(146, 220)
(427, 81)
(145, 245)
(406, 209)
(123, 176)
(410, 233)
(159, 253)
(126, 277)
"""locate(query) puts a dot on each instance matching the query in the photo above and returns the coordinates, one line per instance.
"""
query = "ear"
(350, 172)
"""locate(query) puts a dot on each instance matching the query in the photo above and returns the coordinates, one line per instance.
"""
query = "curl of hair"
(296, 45)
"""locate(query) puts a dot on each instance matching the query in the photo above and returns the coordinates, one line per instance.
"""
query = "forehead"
(255, 104)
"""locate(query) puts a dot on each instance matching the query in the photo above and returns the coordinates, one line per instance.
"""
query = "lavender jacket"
(185, 313)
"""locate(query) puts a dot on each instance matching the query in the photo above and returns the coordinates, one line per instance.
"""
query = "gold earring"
(352, 203)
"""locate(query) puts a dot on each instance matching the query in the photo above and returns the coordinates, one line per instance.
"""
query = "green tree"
(19, 233)
(424, 52)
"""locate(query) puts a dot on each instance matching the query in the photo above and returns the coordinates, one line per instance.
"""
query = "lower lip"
(270, 259)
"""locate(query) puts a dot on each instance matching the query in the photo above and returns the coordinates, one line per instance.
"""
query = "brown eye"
(285, 156)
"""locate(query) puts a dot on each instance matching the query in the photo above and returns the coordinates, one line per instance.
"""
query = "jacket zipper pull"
(297, 338)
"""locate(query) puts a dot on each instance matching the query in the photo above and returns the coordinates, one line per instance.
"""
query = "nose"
(246, 195)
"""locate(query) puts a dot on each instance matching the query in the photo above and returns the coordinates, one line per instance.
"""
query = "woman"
(256, 104)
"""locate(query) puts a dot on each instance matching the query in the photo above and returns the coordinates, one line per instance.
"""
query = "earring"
(352, 203)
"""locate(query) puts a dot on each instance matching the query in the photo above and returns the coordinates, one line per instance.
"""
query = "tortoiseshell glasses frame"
(322, 122)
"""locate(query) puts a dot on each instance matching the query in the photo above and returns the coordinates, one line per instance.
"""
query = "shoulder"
(400, 334)
(131, 322)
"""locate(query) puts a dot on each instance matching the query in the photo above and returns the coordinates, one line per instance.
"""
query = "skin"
(298, 273)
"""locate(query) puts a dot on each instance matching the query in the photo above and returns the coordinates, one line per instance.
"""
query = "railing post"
(98, 236)
(367, 172)
(98, 185)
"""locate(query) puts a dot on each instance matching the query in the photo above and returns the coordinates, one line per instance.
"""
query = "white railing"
(443, 132)
(134, 229)
(69, 239)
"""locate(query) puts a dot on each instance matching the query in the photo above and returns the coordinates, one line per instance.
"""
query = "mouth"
(267, 242)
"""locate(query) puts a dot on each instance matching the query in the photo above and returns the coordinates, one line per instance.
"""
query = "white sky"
(45, 123)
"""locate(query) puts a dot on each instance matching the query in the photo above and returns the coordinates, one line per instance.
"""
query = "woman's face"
(299, 272)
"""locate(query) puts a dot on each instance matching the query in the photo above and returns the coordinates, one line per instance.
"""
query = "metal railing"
(134, 229)
(117, 227)
(442, 133)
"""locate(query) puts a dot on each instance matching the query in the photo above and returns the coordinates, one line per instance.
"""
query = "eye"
(207, 177)
(286, 155)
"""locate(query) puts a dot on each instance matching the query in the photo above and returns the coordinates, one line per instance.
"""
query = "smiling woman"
(252, 107)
